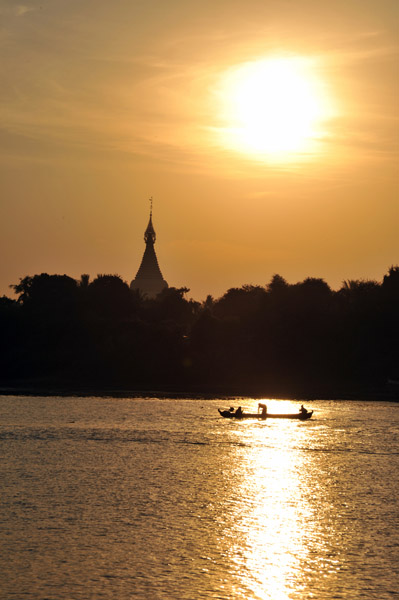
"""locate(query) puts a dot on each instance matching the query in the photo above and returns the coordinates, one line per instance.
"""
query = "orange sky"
(104, 104)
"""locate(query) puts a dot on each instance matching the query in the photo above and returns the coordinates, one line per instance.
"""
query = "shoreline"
(390, 394)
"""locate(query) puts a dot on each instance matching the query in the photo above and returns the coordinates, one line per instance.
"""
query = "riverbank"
(389, 392)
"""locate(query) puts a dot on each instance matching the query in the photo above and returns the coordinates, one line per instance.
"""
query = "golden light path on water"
(275, 531)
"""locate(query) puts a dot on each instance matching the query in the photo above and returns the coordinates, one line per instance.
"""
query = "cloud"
(18, 10)
(73, 82)
(21, 10)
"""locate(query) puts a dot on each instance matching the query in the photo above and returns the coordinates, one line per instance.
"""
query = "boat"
(302, 415)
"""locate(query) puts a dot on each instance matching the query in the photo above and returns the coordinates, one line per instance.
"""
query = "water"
(163, 499)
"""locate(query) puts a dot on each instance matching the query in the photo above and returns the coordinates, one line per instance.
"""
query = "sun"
(274, 106)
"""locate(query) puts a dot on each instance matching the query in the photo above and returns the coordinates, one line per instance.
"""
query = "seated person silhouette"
(238, 413)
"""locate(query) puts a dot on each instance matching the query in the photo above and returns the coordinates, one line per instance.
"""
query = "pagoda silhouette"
(149, 280)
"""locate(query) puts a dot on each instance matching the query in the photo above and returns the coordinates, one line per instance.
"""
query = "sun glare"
(275, 107)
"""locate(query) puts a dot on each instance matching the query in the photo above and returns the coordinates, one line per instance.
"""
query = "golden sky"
(104, 104)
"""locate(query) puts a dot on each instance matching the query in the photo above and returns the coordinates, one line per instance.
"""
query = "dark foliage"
(280, 339)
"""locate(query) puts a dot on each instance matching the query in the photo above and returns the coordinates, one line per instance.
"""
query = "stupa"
(149, 280)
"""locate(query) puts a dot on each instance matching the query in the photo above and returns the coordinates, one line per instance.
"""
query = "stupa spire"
(149, 234)
(149, 278)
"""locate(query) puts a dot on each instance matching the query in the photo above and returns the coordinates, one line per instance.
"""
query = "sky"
(266, 132)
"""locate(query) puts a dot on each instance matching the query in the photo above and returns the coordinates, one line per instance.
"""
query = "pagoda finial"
(149, 235)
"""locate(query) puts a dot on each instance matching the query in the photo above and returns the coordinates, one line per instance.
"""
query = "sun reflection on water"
(274, 531)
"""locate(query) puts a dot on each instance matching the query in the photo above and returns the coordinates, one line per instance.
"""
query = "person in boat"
(303, 410)
(264, 410)
(238, 413)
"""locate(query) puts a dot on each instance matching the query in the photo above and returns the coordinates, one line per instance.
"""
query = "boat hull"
(299, 416)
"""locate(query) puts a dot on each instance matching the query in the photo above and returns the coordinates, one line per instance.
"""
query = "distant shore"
(388, 394)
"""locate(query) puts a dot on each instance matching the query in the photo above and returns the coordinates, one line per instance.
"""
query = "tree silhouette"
(279, 339)
(108, 296)
(46, 292)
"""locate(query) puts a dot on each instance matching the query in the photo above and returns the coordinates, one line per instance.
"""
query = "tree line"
(278, 339)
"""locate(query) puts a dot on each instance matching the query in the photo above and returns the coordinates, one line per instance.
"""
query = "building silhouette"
(149, 280)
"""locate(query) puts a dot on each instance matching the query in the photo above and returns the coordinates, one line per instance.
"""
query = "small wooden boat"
(302, 415)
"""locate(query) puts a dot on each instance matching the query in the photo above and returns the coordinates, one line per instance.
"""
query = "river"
(162, 499)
